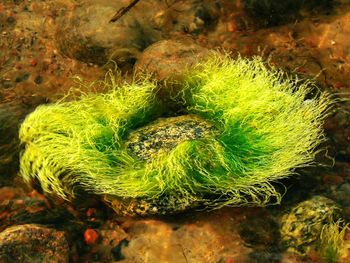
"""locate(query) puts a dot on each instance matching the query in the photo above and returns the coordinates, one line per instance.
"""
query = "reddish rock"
(34, 62)
(90, 236)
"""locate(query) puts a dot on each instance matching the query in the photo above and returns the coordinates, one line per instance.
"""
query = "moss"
(332, 245)
(267, 128)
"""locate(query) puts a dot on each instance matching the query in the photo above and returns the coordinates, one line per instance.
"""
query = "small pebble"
(38, 79)
(22, 77)
(90, 236)
(90, 212)
(117, 250)
(34, 62)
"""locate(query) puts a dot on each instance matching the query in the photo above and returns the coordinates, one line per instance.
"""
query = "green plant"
(267, 128)
(332, 245)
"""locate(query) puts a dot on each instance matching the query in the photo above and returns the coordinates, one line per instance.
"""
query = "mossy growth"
(332, 245)
(267, 125)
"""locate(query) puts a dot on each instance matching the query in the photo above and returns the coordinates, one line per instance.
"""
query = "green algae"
(267, 124)
(332, 244)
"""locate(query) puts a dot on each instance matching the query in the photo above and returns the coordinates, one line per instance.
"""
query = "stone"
(303, 224)
(161, 135)
(86, 34)
(165, 133)
(33, 243)
(170, 59)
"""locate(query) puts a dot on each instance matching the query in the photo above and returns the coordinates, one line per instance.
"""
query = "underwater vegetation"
(266, 125)
(332, 244)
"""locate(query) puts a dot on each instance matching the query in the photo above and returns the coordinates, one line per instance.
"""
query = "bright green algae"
(267, 128)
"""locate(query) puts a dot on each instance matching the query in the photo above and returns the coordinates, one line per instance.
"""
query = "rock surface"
(162, 135)
(170, 59)
(87, 34)
(303, 224)
(165, 134)
(33, 243)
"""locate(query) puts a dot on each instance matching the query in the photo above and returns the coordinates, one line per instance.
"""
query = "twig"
(122, 11)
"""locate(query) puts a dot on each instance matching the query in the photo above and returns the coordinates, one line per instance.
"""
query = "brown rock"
(33, 243)
(170, 59)
(87, 35)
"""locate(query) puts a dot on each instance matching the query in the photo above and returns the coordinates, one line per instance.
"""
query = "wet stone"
(303, 224)
(86, 33)
(165, 134)
(33, 243)
(161, 136)
(170, 59)
(38, 79)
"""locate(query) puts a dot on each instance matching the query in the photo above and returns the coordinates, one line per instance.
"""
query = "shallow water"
(47, 46)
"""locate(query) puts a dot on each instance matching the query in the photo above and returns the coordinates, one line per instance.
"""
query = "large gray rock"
(166, 133)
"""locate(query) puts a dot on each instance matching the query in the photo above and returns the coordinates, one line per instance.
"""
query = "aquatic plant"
(332, 245)
(268, 125)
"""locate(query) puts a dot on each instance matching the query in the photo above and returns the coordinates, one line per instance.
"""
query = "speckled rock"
(303, 224)
(162, 135)
(33, 244)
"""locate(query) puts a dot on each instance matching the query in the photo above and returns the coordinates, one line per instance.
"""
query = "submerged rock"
(170, 59)
(33, 243)
(160, 136)
(260, 140)
(303, 224)
(165, 134)
(87, 35)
